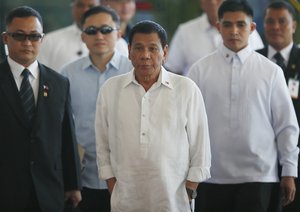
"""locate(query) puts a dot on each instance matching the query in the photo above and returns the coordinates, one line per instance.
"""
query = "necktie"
(279, 60)
(26, 94)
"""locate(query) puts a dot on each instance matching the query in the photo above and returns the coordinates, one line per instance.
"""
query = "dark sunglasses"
(103, 30)
(22, 37)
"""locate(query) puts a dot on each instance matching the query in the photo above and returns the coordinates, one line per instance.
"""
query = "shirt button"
(143, 134)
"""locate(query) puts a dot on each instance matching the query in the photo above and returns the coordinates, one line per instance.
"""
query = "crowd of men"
(97, 117)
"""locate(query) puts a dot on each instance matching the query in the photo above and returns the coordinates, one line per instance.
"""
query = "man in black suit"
(38, 155)
(279, 26)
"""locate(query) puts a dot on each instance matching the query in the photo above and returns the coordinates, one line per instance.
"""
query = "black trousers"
(245, 197)
(94, 200)
(275, 200)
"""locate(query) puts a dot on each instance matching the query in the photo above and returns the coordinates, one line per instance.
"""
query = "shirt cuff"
(197, 174)
(106, 172)
(289, 171)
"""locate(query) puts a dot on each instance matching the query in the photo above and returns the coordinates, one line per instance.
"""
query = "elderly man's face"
(147, 54)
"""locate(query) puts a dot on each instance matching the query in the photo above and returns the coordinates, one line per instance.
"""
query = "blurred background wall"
(169, 13)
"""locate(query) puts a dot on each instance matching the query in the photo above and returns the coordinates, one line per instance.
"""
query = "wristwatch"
(191, 193)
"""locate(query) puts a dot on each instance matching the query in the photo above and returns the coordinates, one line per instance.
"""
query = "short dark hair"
(235, 6)
(22, 12)
(100, 9)
(147, 27)
(282, 5)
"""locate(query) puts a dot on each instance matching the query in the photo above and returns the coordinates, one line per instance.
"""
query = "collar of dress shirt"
(17, 68)
(285, 52)
(114, 62)
(164, 79)
(242, 54)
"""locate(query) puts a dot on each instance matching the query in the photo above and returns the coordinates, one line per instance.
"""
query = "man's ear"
(82, 37)
(218, 25)
(129, 55)
(43, 36)
(294, 26)
(4, 37)
(165, 49)
(252, 26)
(119, 34)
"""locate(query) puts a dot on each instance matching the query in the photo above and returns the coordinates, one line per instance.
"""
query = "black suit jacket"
(292, 71)
(43, 156)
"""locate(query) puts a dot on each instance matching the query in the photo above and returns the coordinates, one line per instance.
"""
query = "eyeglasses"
(22, 37)
(103, 30)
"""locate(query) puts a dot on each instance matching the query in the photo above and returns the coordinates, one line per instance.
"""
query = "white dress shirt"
(196, 39)
(152, 142)
(62, 46)
(34, 75)
(251, 118)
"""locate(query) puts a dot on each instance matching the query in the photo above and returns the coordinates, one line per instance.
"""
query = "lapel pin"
(45, 90)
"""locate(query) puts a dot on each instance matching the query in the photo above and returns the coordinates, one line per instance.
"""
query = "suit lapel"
(11, 93)
(294, 62)
(293, 67)
(264, 51)
(43, 94)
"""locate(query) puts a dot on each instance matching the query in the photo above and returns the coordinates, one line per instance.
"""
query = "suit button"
(32, 141)
(31, 163)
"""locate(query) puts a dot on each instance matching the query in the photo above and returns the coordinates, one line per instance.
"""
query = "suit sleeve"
(70, 157)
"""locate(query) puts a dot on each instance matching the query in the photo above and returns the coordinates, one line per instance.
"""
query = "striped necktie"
(280, 61)
(26, 94)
